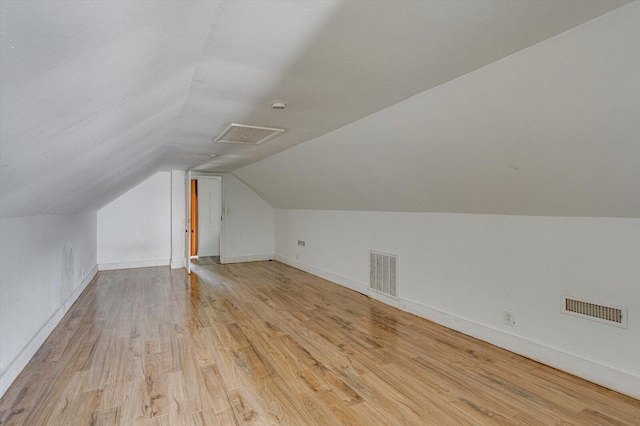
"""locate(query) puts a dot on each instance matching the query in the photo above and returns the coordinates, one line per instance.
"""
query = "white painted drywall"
(209, 212)
(91, 89)
(105, 82)
(135, 229)
(145, 226)
(248, 225)
(178, 227)
(334, 65)
(552, 130)
(465, 270)
(41, 264)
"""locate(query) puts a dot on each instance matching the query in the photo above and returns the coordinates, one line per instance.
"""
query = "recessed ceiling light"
(213, 155)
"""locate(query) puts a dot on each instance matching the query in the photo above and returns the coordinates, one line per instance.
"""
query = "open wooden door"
(194, 217)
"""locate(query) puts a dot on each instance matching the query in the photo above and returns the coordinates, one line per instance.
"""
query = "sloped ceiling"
(552, 130)
(95, 96)
(90, 96)
(337, 62)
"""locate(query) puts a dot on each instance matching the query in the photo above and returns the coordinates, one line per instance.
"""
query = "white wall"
(248, 225)
(209, 211)
(41, 263)
(464, 270)
(146, 227)
(135, 229)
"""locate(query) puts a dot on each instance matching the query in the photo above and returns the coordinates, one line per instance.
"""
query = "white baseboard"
(177, 264)
(383, 298)
(252, 258)
(131, 265)
(603, 375)
(16, 366)
(339, 279)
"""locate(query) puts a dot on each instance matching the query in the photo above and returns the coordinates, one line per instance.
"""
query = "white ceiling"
(90, 94)
(337, 62)
(553, 130)
(97, 95)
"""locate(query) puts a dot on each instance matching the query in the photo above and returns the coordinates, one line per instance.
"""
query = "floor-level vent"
(613, 315)
(383, 273)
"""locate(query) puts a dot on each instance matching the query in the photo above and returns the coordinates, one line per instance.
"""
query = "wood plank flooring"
(262, 343)
(206, 260)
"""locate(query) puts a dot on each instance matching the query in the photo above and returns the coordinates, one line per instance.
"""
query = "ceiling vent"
(244, 133)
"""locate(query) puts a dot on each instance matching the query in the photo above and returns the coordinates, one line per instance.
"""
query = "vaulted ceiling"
(96, 96)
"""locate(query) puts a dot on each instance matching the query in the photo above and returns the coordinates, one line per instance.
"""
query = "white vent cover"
(612, 315)
(383, 273)
(245, 133)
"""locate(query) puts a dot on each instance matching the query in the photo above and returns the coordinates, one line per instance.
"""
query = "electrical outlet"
(82, 273)
(508, 318)
(301, 243)
(296, 256)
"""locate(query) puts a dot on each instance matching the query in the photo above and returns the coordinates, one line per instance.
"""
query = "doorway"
(193, 250)
(205, 219)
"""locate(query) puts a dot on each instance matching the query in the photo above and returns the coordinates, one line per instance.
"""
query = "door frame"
(187, 221)
(195, 237)
(194, 175)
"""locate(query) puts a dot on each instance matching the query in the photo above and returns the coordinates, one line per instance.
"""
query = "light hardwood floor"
(263, 343)
(206, 260)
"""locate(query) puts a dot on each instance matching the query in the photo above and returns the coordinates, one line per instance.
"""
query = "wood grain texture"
(262, 343)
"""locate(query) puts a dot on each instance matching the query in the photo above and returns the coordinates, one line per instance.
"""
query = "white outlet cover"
(509, 318)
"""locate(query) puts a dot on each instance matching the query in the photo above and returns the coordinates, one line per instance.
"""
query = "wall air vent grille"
(245, 133)
(383, 273)
(613, 315)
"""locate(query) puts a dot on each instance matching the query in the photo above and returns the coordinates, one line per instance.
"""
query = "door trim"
(187, 222)
(193, 175)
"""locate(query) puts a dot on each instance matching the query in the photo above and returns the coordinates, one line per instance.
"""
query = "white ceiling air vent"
(244, 133)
